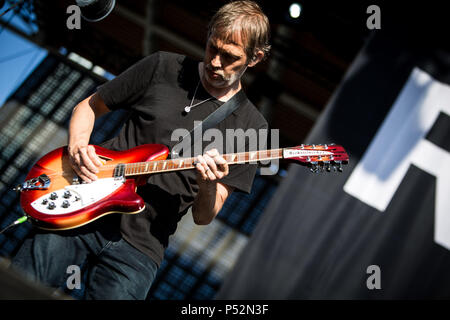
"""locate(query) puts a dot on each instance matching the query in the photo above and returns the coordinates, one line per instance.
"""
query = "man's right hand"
(84, 161)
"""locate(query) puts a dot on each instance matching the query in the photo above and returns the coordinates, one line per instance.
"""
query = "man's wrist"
(207, 186)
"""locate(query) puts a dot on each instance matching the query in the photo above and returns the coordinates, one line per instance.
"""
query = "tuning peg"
(314, 167)
(339, 165)
(327, 165)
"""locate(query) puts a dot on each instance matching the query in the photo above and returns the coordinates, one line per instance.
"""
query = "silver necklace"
(189, 107)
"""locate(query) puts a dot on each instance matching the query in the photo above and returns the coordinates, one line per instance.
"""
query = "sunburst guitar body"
(55, 198)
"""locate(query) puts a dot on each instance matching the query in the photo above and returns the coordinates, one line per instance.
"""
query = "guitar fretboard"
(140, 168)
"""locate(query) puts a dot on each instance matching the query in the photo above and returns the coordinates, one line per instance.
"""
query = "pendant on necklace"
(187, 109)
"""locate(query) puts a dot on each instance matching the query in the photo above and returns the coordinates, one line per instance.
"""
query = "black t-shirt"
(155, 90)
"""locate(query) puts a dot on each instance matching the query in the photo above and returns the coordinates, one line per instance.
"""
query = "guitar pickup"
(119, 172)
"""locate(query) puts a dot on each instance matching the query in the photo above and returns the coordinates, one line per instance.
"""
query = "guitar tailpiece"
(39, 183)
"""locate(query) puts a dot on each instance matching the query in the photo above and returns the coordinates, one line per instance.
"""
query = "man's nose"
(215, 61)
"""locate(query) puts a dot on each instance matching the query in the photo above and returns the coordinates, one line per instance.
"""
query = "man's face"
(224, 63)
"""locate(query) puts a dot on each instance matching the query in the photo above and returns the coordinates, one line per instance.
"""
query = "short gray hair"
(247, 18)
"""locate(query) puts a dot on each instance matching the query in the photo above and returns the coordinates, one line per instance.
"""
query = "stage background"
(380, 230)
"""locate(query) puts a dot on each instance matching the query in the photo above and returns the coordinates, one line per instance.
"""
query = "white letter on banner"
(400, 142)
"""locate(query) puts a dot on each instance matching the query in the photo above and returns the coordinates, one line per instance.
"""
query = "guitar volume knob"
(65, 204)
(53, 196)
(51, 205)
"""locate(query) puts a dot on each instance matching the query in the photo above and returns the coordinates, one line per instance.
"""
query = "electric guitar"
(54, 197)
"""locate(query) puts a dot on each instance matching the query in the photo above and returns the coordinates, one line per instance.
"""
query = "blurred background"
(47, 68)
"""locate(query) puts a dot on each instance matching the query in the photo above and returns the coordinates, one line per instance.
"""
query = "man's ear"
(257, 57)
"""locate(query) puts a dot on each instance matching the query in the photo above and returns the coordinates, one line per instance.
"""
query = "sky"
(18, 57)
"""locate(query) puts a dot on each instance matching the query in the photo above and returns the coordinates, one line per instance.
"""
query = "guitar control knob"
(45, 201)
(53, 196)
(65, 204)
(51, 205)
(67, 194)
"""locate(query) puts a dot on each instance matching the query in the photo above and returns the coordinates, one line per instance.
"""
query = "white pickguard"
(81, 196)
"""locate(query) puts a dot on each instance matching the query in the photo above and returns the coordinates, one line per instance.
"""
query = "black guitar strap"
(213, 119)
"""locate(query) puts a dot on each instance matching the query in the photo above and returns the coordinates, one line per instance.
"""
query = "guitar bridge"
(40, 183)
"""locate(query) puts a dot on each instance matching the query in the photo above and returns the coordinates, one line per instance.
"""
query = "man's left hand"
(211, 166)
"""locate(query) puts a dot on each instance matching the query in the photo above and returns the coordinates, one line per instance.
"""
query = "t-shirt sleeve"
(241, 176)
(128, 87)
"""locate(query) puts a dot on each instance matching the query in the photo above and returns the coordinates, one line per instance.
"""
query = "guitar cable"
(15, 223)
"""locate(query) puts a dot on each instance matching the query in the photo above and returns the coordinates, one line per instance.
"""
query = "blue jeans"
(107, 265)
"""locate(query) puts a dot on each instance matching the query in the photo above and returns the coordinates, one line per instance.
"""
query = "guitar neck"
(142, 168)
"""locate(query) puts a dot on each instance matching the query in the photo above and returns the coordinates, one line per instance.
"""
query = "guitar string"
(157, 162)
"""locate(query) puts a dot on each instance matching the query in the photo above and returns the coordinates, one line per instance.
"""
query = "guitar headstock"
(320, 157)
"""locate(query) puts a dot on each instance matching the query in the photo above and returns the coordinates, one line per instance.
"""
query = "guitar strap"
(213, 119)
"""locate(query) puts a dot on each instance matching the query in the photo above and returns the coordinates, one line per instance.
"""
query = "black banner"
(381, 229)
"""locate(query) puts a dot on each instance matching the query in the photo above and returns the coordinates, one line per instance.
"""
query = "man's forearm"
(81, 124)
(207, 204)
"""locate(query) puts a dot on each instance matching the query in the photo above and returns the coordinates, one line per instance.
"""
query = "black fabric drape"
(316, 241)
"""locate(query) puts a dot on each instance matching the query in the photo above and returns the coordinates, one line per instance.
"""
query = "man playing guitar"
(120, 254)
